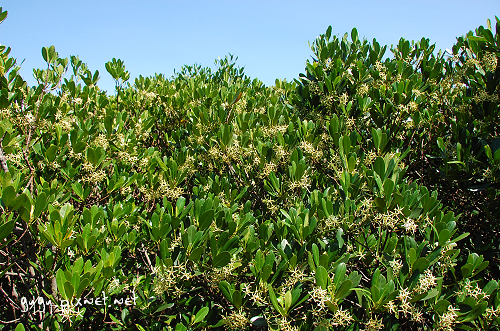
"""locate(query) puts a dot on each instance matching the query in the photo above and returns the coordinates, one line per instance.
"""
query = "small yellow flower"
(426, 281)
(363, 89)
(374, 324)
(410, 226)
(237, 320)
(342, 318)
(344, 99)
(447, 320)
(396, 266)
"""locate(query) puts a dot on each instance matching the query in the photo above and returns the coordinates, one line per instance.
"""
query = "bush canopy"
(364, 195)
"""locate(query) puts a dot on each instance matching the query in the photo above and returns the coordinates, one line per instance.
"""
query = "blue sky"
(270, 38)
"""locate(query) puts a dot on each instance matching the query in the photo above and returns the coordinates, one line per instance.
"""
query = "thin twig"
(13, 303)
(22, 235)
(353, 303)
(15, 273)
(147, 258)
(365, 278)
(10, 322)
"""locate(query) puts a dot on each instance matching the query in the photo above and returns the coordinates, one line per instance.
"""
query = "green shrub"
(208, 200)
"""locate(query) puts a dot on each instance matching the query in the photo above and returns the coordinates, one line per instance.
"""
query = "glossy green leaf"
(321, 277)
(221, 260)
(275, 303)
(200, 315)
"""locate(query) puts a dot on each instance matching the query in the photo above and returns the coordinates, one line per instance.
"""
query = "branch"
(10, 322)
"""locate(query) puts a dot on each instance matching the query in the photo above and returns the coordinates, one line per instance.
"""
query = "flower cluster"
(16, 159)
(296, 275)
(319, 296)
(363, 89)
(257, 294)
(344, 99)
(490, 61)
(447, 320)
(241, 106)
(390, 219)
(272, 131)
(68, 311)
(381, 70)
(304, 182)
(370, 158)
(167, 278)
(483, 96)
(5, 113)
(148, 97)
(374, 324)
(282, 154)
(66, 123)
(237, 320)
(285, 324)
(341, 318)
(268, 168)
(309, 149)
(492, 313)
(426, 282)
(125, 190)
(101, 141)
(405, 307)
(472, 289)
(73, 155)
(410, 226)
(96, 176)
(396, 265)
(127, 158)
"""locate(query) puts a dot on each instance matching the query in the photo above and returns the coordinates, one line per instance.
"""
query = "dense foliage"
(208, 200)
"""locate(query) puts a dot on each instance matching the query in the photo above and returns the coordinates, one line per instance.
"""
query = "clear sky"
(270, 38)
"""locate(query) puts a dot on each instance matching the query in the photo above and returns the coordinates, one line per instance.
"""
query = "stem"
(30, 132)
(3, 160)
(147, 258)
(53, 281)
(385, 240)
(117, 98)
